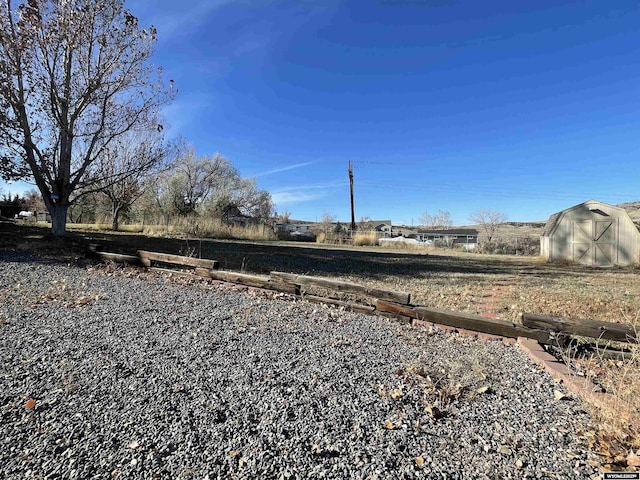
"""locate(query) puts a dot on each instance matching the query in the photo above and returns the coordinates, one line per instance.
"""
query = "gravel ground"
(144, 378)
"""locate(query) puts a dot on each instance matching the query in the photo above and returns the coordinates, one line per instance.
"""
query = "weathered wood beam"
(178, 259)
(341, 286)
(354, 307)
(618, 332)
(120, 258)
(609, 354)
(258, 281)
(467, 321)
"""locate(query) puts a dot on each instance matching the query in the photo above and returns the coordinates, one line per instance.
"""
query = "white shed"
(592, 233)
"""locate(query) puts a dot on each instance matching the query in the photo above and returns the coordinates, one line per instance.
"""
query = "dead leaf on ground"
(396, 393)
(433, 411)
(633, 460)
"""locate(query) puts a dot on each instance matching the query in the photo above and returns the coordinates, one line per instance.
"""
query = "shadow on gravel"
(263, 257)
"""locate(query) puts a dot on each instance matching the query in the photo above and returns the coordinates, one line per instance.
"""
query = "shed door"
(605, 243)
(581, 242)
(594, 242)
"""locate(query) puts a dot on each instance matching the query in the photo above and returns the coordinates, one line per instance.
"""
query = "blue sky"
(522, 107)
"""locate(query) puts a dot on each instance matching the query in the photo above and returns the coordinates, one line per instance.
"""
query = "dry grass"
(407, 247)
(104, 227)
(365, 239)
(211, 228)
(187, 227)
(616, 430)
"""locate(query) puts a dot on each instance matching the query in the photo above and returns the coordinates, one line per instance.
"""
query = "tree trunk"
(115, 224)
(59, 220)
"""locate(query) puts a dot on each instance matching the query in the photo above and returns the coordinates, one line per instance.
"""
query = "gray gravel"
(139, 377)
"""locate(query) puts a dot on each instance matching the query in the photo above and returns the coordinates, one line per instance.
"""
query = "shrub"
(520, 246)
(365, 238)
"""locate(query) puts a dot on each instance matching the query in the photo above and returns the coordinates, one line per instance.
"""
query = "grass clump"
(365, 239)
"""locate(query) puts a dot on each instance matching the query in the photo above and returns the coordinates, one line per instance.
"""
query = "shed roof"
(555, 218)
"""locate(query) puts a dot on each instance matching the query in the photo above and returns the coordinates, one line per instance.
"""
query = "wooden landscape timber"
(249, 280)
(354, 307)
(178, 259)
(170, 271)
(119, 258)
(543, 328)
(340, 286)
(582, 327)
(467, 321)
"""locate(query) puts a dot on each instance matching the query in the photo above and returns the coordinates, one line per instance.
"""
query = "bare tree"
(74, 75)
(284, 217)
(164, 189)
(33, 201)
(326, 222)
(209, 186)
(439, 221)
(123, 167)
(365, 224)
(251, 201)
(489, 220)
(197, 180)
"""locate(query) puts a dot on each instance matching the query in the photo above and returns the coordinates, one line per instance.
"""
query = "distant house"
(382, 227)
(592, 233)
(25, 215)
(302, 231)
(293, 227)
(467, 237)
(234, 216)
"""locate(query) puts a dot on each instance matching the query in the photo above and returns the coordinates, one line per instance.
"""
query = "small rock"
(504, 450)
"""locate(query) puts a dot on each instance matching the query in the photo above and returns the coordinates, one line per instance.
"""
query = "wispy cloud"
(317, 186)
(183, 112)
(304, 193)
(282, 169)
(172, 18)
(299, 196)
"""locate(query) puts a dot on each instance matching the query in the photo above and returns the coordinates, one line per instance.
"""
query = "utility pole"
(353, 216)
